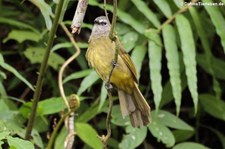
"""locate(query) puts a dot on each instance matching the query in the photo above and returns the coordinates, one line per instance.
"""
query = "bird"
(100, 56)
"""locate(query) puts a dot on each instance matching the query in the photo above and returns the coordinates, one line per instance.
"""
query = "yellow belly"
(100, 55)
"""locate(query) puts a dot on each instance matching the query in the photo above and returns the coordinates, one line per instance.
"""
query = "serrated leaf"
(162, 133)
(19, 143)
(205, 42)
(155, 56)
(170, 120)
(36, 54)
(153, 35)
(213, 106)
(188, 50)
(143, 8)
(217, 64)
(46, 11)
(164, 7)
(189, 145)
(129, 40)
(173, 63)
(88, 134)
(16, 73)
(122, 28)
(77, 75)
(179, 3)
(218, 21)
(133, 138)
(87, 82)
(138, 56)
(22, 35)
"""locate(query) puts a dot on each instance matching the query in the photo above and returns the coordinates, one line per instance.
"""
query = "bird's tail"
(135, 106)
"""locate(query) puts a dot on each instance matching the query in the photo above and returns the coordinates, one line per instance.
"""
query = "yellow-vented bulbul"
(100, 56)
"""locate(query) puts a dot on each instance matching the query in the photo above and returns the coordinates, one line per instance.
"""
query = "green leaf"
(103, 96)
(188, 50)
(153, 35)
(19, 143)
(133, 138)
(190, 145)
(51, 105)
(88, 134)
(155, 56)
(213, 106)
(205, 42)
(22, 35)
(117, 117)
(143, 8)
(218, 21)
(122, 28)
(18, 24)
(129, 40)
(4, 134)
(59, 141)
(36, 54)
(170, 120)
(164, 7)
(182, 135)
(138, 56)
(217, 64)
(179, 3)
(15, 72)
(162, 133)
(173, 63)
(46, 11)
(87, 82)
(91, 112)
(61, 45)
(77, 75)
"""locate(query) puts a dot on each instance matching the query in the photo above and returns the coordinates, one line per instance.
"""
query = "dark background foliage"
(197, 50)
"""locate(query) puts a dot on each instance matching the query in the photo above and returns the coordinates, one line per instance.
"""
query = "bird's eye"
(103, 23)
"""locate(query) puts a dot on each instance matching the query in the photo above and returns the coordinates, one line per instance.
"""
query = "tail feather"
(135, 106)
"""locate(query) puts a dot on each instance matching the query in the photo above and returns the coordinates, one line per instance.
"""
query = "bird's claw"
(114, 64)
(108, 86)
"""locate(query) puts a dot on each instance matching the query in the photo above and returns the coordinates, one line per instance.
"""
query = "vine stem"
(114, 38)
(42, 71)
(71, 136)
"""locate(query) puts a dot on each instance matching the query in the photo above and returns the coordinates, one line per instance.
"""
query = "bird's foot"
(114, 64)
(108, 86)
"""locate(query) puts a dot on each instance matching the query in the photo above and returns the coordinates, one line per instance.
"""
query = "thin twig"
(54, 133)
(169, 20)
(42, 71)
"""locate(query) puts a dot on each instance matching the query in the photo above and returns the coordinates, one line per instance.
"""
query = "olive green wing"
(128, 61)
